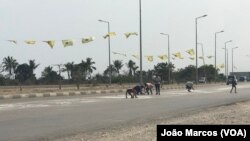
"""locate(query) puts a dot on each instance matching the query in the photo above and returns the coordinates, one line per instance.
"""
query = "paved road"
(48, 118)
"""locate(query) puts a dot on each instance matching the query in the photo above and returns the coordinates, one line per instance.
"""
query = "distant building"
(241, 74)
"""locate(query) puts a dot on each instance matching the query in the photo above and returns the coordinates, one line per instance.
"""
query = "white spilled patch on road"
(243, 86)
(122, 97)
(203, 92)
(88, 101)
(44, 104)
(6, 106)
(66, 102)
(21, 106)
(223, 89)
(178, 92)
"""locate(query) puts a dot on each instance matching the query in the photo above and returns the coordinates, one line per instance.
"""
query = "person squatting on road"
(134, 91)
(189, 86)
(149, 87)
(234, 83)
(157, 84)
(138, 89)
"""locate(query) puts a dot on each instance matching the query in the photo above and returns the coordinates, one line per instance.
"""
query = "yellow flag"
(120, 54)
(109, 35)
(178, 55)
(221, 66)
(209, 57)
(30, 42)
(190, 52)
(67, 43)
(50, 43)
(87, 40)
(13, 41)
(130, 33)
(150, 58)
(162, 57)
(136, 56)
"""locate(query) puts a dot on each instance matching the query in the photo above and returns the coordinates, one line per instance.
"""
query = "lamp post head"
(221, 31)
(228, 41)
(201, 17)
(103, 21)
(164, 34)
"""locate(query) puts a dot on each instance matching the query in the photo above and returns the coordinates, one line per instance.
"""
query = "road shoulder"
(238, 113)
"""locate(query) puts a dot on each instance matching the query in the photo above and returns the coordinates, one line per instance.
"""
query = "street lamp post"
(233, 58)
(196, 35)
(215, 54)
(169, 61)
(226, 56)
(110, 69)
(203, 58)
(140, 28)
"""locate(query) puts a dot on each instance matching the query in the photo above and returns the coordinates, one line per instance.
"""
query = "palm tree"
(83, 69)
(1, 68)
(9, 64)
(106, 72)
(134, 69)
(33, 65)
(69, 68)
(130, 66)
(118, 65)
(48, 70)
(50, 76)
(89, 66)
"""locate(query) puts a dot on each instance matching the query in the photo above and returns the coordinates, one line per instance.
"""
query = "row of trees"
(82, 73)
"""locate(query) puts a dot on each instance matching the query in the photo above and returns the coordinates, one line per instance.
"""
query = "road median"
(90, 92)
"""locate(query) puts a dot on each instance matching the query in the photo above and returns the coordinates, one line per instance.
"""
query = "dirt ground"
(238, 113)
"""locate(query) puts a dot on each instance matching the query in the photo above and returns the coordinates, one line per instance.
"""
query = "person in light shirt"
(149, 87)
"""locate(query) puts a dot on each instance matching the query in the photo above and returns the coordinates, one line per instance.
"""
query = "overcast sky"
(74, 19)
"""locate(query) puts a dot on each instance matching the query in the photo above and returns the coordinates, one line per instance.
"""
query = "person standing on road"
(157, 84)
(234, 83)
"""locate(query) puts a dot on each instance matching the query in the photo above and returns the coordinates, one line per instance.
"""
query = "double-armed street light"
(233, 58)
(226, 58)
(140, 28)
(110, 71)
(215, 54)
(203, 58)
(196, 50)
(169, 62)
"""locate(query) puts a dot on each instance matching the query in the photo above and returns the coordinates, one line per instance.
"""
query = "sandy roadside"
(238, 113)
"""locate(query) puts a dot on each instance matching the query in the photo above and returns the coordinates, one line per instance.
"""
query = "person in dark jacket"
(157, 84)
(138, 89)
(234, 83)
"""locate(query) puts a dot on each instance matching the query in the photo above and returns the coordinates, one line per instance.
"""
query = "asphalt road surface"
(50, 118)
